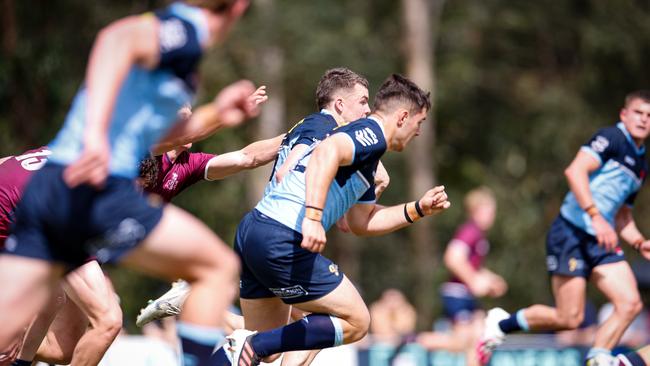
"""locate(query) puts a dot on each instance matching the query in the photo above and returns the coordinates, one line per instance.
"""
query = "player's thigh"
(343, 302)
(569, 293)
(181, 246)
(617, 282)
(92, 293)
(264, 313)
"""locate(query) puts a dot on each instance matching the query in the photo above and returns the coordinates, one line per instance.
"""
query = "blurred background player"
(582, 243)
(464, 258)
(392, 318)
(142, 69)
(280, 241)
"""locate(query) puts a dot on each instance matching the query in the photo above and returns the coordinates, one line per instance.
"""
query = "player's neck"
(388, 128)
(172, 155)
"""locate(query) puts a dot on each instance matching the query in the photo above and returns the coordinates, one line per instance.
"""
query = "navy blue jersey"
(621, 174)
(352, 184)
(313, 128)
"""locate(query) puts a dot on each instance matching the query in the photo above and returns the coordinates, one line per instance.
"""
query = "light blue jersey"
(352, 184)
(148, 101)
(621, 174)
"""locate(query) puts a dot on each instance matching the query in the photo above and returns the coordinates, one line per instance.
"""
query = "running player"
(280, 241)
(469, 280)
(582, 243)
(84, 201)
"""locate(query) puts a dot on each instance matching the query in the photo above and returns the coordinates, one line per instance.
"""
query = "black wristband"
(406, 215)
(418, 208)
(314, 207)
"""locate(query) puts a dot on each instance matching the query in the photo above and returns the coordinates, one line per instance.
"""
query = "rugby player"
(280, 241)
(583, 244)
(469, 280)
(84, 202)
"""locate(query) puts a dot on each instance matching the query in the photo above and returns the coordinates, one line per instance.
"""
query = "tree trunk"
(421, 19)
(271, 120)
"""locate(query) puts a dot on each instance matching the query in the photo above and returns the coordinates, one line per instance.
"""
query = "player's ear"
(338, 105)
(402, 117)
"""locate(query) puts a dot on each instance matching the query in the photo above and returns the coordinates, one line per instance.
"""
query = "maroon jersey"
(14, 175)
(477, 247)
(173, 177)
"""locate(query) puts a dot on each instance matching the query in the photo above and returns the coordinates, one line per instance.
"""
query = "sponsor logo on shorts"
(127, 234)
(551, 263)
(289, 292)
(334, 269)
(575, 264)
(11, 243)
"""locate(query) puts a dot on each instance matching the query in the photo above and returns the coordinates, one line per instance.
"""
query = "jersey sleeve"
(368, 140)
(466, 235)
(368, 196)
(180, 46)
(198, 166)
(604, 144)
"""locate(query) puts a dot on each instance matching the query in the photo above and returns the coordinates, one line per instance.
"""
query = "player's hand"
(313, 235)
(480, 285)
(255, 100)
(232, 103)
(434, 201)
(644, 249)
(92, 166)
(498, 286)
(604, 233)
(382, 179)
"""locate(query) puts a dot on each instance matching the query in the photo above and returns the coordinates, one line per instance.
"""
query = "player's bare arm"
(628, 230)
(132, 40)
(294, 156)
(335, 151)
(374, 219)
(250, 157)
(577, 174)
(231, 107)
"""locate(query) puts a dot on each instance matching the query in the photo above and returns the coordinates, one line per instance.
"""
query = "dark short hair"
(334, 80)
(643, 94)
(215, 6)
(149, 169)
(399, 89)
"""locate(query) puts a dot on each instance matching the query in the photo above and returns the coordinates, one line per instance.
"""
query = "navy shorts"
(570, 251)
(59, 224)
(458, 303)
(274, 264)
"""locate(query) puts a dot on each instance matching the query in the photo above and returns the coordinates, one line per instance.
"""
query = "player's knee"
(111, 323)
(360, 324)
(630, 308)
(572, 319)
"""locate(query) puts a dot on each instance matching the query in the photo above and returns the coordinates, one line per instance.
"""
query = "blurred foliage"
(520, 85)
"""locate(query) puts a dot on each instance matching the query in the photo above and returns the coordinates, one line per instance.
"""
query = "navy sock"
(21, 363)
(198, 342)
(633, 359)
(219, 358)
(514, 323)
(315, 331)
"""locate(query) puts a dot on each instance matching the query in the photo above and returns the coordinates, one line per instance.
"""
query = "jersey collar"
(195, 16)
(628, 137)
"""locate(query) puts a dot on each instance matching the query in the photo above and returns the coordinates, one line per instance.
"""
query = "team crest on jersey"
(334, 269)
(172, 34)
(172, 182)
(599, 144)
(366, 137)
(630, 160)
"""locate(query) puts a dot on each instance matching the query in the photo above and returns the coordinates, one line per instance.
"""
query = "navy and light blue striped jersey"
(621, 174)
(313, 128)
(352, 184)
(148, 100)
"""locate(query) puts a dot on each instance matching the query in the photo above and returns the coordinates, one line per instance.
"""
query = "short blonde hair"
(478, 196)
